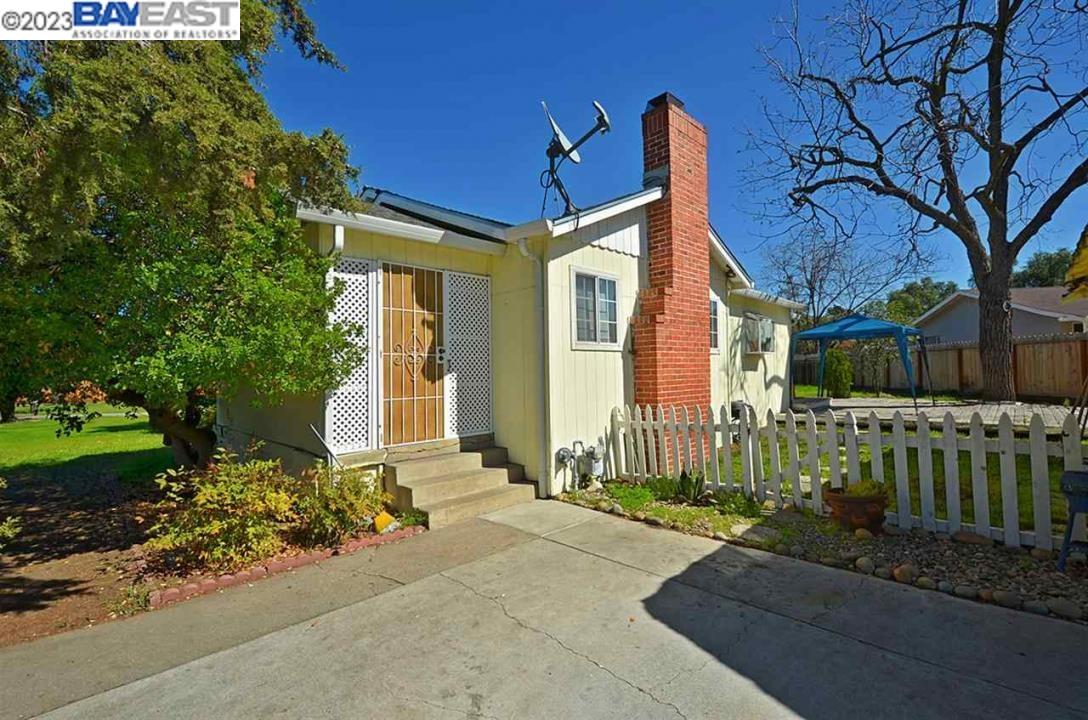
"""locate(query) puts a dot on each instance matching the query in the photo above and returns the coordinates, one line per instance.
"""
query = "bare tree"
(827, 271)
(961, 118)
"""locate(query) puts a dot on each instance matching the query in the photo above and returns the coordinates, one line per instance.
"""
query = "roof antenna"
(560, 149)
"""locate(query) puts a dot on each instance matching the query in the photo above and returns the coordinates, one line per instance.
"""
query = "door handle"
(440, 353)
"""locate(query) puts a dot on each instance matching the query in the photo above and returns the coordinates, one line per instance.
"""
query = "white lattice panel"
(468, 354)
(351, 409)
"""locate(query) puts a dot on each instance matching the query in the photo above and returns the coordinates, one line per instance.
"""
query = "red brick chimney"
(672, 331)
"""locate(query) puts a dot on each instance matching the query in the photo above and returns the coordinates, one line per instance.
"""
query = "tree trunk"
(7, 409)
(193, 446)
(995, 339)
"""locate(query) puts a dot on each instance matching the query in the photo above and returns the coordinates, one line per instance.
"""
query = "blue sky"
(441, 100)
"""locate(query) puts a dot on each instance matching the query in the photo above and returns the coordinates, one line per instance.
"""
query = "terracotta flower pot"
(857, 511)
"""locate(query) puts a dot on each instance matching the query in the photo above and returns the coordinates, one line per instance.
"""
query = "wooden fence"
(1045, 366)
(743, 456)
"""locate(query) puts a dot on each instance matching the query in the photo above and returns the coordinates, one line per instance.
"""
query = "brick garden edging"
(202, 586)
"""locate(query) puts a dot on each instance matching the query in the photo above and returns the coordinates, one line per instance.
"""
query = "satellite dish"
(559, 137)
(561, 148)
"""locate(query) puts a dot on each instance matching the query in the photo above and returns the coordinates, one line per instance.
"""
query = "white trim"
(717, 315)
(939, 307)
(579, 220)
(570, 223)
(395, 228)
(754, 294)
(595, 346)
(726, 259)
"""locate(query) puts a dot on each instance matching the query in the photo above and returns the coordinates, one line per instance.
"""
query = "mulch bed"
(964, 565)
(78, 559)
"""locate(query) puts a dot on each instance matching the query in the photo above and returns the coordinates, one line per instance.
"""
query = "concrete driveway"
(551, 611)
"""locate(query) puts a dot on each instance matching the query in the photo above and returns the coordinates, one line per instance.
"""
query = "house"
(1035, 311)
(514, 341)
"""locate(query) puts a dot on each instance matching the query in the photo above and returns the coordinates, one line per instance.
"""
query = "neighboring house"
(1035, 311)
(526, 336)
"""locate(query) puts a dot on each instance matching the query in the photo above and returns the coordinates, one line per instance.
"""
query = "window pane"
(751, 335)
(607, 310)
(713, 324)
(585, 302)
(767, 335)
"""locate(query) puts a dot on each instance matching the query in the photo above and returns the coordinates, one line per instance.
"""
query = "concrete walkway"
(551, 611)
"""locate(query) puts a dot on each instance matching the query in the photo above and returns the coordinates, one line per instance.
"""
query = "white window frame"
(761, 322)
(597, 345)
(716, 325)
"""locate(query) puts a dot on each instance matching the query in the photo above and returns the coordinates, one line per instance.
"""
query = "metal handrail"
(328, 449)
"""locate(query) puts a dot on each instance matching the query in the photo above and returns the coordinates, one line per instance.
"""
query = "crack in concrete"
(583, 656)
(473, 714)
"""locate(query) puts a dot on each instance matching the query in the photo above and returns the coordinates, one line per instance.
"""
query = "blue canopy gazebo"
(861, 327)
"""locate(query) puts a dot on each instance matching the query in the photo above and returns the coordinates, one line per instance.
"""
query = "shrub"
(225, 516)
(838, 374)
(10, 527)
(333, 503)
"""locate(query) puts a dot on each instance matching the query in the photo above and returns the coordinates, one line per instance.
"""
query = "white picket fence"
(646, 442)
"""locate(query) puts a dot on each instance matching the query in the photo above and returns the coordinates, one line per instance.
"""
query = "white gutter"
(768, 298)
(395, 228)
(544, 481)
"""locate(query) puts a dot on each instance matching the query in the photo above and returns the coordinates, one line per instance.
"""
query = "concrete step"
(464, 507)
(404, 471)
(419, 491)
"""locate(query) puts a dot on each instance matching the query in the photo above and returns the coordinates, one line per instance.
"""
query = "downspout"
(546, 469)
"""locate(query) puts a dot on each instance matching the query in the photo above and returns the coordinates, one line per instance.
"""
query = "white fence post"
(793, 469)
(951, 456)
(746, 477)
(814, 479)
(775, 458)
(757, 457)
(925, 474)
(1040, 484)
(902, 486)
(1010, 504)
(876, 448)
(727, 446)
(714, 473)
(980, 491)
(834, 466)
(651, 446)
(617, 452)
(853, 462)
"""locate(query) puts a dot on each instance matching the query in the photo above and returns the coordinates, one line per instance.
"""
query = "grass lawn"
(103, 408)
(127, 446)
(1058, 508)
(809, 391)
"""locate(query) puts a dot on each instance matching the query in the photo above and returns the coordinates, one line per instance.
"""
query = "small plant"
(735, 503)
(412, 517)
(336, 502)
(664, 487)
(10, 527)
(135, 599)
(865, 488)
(838, 374)
(227, 515)
(691, 487)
